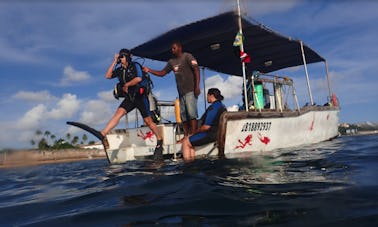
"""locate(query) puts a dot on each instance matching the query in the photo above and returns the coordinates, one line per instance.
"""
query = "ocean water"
(334, 183)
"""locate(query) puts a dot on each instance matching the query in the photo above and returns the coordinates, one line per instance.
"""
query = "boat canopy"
(211, 42)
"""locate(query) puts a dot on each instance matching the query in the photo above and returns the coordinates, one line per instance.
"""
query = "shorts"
(188, 107)
(202, 138)
(140, 102)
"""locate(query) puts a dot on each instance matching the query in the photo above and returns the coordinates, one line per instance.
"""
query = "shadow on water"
(327, 184)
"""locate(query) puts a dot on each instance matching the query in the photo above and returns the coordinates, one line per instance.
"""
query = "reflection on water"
(306, 164)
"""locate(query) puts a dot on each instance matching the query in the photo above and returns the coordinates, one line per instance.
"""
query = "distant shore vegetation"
(47, 140)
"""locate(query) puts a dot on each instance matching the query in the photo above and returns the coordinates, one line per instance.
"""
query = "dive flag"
(244, 57)
(238, 39)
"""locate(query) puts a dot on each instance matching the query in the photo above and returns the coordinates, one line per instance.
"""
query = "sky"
(54, 54)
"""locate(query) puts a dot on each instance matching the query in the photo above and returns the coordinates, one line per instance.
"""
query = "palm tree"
(32, 143)
(53, 141)
(46, 135)
(84, 138)
(75, 140)
(42, 145)
(68, 136)
(38, 133)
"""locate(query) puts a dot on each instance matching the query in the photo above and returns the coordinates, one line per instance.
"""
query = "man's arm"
(194, 64)
(197, 90)
(109, 72)
(160, 73)
(132, 82)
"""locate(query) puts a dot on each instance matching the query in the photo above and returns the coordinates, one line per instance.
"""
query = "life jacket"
(143, 88)
(146, 84)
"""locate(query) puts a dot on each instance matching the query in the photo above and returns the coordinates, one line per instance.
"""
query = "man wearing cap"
(209, 125)
(129, 78)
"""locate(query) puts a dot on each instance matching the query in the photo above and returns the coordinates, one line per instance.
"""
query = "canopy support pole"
(204, 87)
(328, 80)
(307, 78)
(243, 63)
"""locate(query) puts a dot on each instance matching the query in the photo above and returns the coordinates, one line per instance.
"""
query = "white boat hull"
(270, 133)
(239, 132)
(134, 143)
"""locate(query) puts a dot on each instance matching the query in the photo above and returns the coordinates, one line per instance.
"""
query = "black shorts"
(140, 102)
(202, 138)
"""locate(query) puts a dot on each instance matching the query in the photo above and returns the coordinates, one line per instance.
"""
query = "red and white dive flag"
(244, 57)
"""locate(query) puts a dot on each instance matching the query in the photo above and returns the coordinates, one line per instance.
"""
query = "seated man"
(207, 133)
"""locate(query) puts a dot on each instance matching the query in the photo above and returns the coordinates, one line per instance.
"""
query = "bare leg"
(193, 126)
(188, 152)
(149, 122)
(120, 112)
(186, 131)
(192, 154)
(186, 128)
(185, 148)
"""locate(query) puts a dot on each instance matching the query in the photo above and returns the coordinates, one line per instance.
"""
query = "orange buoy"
(177, 111)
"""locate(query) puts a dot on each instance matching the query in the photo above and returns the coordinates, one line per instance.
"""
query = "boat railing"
(259, 97)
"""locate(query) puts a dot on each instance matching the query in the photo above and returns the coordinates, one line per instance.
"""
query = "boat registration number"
(256, 126)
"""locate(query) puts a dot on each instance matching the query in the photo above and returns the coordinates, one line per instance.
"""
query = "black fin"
(87, 128)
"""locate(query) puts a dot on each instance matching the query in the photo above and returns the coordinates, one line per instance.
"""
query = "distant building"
(97, 145)
(351, 131)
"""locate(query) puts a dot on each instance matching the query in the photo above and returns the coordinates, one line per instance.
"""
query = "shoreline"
(22, 158)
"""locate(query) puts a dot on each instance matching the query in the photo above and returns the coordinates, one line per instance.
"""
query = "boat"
(267, 121)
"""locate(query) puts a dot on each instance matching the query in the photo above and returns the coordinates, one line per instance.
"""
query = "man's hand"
(116, 57)
(146, 69)
(125, 88)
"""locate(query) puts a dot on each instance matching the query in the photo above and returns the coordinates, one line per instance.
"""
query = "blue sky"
(54, 54)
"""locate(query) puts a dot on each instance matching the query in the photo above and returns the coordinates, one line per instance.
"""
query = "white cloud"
(40, 114)
(106, 95)
(32, 118)
(230, 87)
(45, 117)
(97, 112)
(66, 107)
(71, 76)
(39, 96)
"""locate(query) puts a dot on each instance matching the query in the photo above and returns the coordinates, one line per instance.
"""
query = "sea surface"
(334, 183)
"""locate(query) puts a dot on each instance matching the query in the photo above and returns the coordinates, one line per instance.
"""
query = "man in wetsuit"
(209, 125)
(186, 70)
(134, 97)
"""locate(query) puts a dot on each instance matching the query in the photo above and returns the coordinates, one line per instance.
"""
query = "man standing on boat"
(208, 131)
(134, 97)
(186, 70)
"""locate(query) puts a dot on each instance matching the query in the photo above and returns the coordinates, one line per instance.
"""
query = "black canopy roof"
(211, 43)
